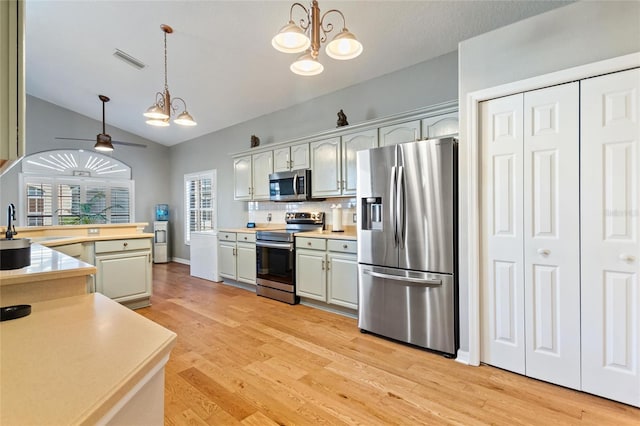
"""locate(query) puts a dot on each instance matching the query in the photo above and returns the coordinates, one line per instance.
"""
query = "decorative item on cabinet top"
(342, 119)
(255, 141)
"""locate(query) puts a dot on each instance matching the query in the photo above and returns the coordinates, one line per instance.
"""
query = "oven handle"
(286, 246)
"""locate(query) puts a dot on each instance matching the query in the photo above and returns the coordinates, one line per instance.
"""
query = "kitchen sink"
(15, 253)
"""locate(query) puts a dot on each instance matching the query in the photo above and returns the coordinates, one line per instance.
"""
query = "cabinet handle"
(234, 252)
(337, 184)
(323, 265)
(328, 265)
(343, 185)
(625, 257)
(544, 252)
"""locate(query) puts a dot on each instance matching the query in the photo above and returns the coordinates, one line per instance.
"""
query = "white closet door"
(610, 215)
(502, 289)
(552, 234)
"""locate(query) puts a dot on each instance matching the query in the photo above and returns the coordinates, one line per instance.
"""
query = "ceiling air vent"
(136, 63)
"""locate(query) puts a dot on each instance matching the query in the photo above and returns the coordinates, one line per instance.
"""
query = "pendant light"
(160, 112)
(308, 36)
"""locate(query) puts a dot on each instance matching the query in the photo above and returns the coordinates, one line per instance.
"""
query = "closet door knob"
(625, 257)
(544, 252)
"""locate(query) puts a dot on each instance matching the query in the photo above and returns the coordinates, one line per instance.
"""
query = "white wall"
(566, 37)
(424, 84)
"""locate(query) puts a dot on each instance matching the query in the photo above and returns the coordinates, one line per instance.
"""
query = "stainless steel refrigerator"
(407, 250)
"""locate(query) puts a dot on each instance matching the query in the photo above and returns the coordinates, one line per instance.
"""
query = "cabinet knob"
(625, 257)
(245, 238)
(309, 243)
(544, 252)
(126, 244)
(344, 246)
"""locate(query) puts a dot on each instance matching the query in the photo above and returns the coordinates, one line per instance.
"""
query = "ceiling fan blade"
(137, 145)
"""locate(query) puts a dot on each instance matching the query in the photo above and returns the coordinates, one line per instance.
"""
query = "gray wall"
(566, 37)
(149, 165)
(424, 84)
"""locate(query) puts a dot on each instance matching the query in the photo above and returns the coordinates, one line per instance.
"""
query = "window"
(200, 197)
(75, 186)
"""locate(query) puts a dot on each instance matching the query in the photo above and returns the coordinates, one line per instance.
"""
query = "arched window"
(62, 187)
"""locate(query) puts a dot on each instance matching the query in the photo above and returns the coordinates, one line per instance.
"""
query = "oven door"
(275, 265)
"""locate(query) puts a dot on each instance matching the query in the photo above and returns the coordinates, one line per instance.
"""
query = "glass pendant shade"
(156, 113)
(307, 65)
(344, 46)
(158, 122)
(291, 39)
(185, 119)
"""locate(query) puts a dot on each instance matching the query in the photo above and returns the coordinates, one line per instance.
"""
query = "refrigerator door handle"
(400, 207)
(394, 212)
(409, 280)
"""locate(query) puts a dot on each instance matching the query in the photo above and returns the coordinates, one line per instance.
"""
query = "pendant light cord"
(166, 86)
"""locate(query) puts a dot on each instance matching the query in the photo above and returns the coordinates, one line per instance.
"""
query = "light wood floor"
(244, 359)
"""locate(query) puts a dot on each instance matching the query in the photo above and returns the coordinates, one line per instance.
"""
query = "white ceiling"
(220, 58)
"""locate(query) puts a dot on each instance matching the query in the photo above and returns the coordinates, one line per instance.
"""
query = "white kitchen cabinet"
(399, 133)
(124, 271)
(440, 125)
(237, 256)
(327, 270)
(293, 157)
(246, 257)
(351, 144)
(342, 272)
(251, 176)
(559, 241)
(242, 178)
(325, 163)
(610, 221)
(12, 77)
(333, 162)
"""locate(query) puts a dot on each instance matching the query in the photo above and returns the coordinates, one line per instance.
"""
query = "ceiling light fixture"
(308, 37)
(160, 112)
(103, 140)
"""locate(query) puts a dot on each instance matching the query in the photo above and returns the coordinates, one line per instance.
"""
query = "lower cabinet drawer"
(123, 245)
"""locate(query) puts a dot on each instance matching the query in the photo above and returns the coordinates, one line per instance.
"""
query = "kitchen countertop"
(46, 264)
(54, 241)
(73, 359)
(348, 234)
(273, 227)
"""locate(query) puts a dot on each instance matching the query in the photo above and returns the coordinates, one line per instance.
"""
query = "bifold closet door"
(502, 287)
(610, 220)
(552, 234)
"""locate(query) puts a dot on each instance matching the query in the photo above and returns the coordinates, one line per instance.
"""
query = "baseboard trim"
(179, 260)
(463, 357)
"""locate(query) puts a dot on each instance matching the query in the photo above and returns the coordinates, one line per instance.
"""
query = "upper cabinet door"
(610, 221)
(350, 145)
(400, 133)
(502, 286)
(281, 160)
(300, 157)
(262, 168)
(552, 234)
(242, 178)
(440, 126)
(325, 163)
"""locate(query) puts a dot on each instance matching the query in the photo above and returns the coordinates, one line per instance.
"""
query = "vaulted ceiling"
(220, 58)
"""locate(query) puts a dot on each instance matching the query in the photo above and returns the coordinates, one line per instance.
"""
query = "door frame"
(473, 164)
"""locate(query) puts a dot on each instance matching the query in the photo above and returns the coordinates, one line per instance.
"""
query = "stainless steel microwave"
(290, 186)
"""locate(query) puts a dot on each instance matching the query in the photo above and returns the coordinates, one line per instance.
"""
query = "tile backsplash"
(258, 211)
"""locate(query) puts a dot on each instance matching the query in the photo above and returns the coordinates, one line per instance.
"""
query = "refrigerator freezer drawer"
(413, 307)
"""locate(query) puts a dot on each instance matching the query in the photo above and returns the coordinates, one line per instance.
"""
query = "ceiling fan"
(103, 140)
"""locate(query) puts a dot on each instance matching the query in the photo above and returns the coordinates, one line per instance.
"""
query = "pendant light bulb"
(307, 65)
(291, 39)
(344, 46)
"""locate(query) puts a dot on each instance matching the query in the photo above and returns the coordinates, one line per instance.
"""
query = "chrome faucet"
(11, 216)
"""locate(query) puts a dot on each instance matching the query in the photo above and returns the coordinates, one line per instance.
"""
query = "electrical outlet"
(93, 231)
(268, 217)
(355, 218)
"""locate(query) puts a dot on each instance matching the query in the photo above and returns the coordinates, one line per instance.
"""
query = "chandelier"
(308, 36)
(160, 112)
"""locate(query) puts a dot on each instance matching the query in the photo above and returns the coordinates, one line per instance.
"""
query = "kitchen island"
(51, 275)
(82, 360)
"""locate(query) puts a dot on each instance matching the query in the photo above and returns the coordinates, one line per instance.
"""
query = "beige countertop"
(73, 359)
(53, 241)
(273, 227)
(348, 234)
(46, 264)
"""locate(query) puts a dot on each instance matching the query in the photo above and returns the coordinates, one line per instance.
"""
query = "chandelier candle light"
(160, 112)
(308, 36)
